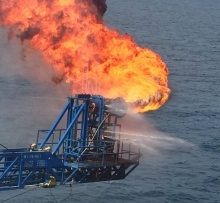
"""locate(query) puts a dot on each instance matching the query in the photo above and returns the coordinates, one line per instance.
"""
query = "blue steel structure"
(88, 148)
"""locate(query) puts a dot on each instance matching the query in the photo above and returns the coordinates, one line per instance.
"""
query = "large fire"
(86, 53)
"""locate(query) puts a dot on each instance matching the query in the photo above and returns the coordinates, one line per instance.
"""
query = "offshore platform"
(89, 148)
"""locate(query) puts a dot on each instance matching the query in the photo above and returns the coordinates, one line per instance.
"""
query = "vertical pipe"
(38, 136)
(69, 119)
(101, 116)
(122, 143)
(20, 171)
(84, 125)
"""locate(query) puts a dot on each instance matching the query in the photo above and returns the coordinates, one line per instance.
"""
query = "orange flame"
(87, 54)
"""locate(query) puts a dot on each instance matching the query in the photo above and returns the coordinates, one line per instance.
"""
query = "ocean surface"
(181, 155)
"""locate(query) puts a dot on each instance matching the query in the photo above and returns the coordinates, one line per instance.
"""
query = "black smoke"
(101, 6)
